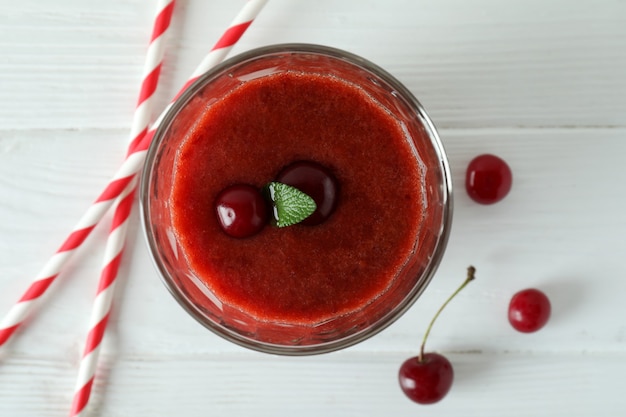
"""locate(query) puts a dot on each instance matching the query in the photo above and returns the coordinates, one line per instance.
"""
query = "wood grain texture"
(466, 61)
(337, 384)
(540, 83)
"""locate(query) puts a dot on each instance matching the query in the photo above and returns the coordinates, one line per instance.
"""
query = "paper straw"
(151, 73)
(141, 119)
(117, 236)
(115, 247)
(104, 300)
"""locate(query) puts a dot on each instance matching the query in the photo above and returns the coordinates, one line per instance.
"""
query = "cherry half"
(317, 182)
(488, 179)
(427, 378)
(241, 210)
(529, 310)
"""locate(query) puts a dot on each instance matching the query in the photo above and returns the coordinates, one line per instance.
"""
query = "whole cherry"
(427, 378)
(318, 182)
(488, 179)
(241, 210)
(529, 310)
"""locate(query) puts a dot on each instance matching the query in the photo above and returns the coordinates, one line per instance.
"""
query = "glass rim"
(397, 310)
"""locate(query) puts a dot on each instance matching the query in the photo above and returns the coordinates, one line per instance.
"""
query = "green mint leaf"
(290, 205)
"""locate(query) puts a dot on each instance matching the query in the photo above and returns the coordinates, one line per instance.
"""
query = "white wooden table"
(540, 83)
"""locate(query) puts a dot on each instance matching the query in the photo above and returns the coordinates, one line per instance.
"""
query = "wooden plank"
(337, 384)
(482, 64)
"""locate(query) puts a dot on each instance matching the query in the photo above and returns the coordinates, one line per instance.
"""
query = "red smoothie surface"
(299, 274)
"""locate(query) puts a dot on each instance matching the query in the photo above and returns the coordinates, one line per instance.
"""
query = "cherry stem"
(471, 271)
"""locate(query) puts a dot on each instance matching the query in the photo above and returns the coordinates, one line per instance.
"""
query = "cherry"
(488, 179)
(427, 378)
(317, 182)
(529, 310)
(241, 210)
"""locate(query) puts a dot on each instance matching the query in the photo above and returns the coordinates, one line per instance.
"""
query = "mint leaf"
(290, 205)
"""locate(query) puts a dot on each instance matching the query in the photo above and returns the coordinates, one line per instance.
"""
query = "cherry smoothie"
(299, 273)
(376, 249)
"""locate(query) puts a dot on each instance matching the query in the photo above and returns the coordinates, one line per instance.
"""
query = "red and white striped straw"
(113, 250)
(120, 182)
(103, 301)
(115, 247)
(151, 73)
